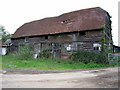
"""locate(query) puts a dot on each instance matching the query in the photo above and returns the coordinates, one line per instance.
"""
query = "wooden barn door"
(56, 50)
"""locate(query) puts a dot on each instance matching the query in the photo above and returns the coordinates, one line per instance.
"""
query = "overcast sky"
(14, 13)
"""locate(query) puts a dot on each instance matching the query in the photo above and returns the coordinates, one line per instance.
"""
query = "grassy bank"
(11, 62)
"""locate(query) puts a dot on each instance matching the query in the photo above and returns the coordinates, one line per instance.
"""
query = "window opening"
(26, 39)
(97, 46)
(46, 37)
(65, 21)
(82, 33)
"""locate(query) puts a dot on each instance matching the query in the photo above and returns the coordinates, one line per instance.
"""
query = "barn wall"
(60, 44)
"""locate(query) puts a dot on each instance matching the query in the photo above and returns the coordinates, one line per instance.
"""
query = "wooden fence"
(113, 57)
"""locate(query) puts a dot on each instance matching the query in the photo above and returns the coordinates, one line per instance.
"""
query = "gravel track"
(32, 78)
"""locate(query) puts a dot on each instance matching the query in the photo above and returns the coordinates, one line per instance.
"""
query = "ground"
(30, 78)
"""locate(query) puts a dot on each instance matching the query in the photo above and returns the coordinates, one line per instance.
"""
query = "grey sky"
(15, 13)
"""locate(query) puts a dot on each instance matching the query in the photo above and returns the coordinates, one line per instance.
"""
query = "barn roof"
(86, 19)
(2, 44)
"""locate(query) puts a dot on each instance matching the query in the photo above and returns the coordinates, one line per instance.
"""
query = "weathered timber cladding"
(60, 42)
(62, 38)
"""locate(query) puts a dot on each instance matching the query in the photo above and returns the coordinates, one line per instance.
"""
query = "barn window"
(82, 33)
(97, 46)
(26, 39)
(46, 37)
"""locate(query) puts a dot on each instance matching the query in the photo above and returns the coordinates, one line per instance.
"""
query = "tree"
(4, 35)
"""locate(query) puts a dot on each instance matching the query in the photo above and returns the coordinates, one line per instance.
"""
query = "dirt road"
(99, 78)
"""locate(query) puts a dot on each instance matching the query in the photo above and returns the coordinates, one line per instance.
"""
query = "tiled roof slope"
(86, 19)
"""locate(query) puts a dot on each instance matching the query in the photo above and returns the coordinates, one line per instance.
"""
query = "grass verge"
(10, 62)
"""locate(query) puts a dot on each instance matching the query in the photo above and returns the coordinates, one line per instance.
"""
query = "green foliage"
(10, 62)
(5, 35)
(101, 58)
(45, 54)
(103, 26)
(87, 57)
(103, 38)
(62, 61)
(25, 53)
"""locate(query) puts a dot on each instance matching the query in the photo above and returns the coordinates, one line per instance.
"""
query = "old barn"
(78, 30)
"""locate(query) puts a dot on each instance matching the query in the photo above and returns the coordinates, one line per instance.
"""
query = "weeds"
(45, 54)
(10, 62)
(25, 53)
(87, 57)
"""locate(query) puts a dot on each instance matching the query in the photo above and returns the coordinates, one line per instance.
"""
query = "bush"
(87, 57)
(45, 54)
(102, 59)
(24, 53)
